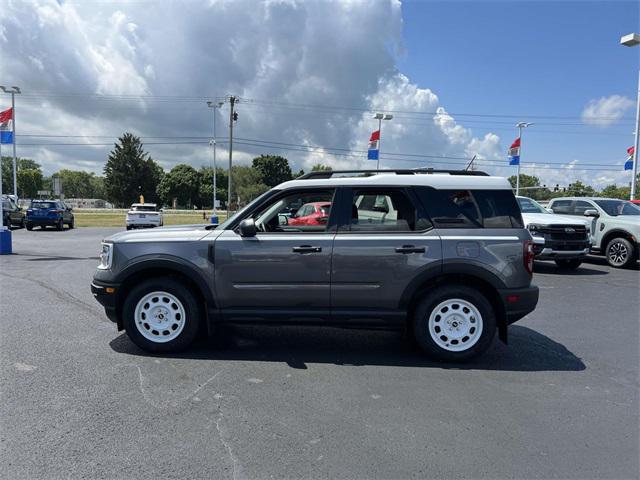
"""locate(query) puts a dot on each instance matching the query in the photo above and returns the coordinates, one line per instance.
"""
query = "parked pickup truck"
(566, 241)
(615, 225)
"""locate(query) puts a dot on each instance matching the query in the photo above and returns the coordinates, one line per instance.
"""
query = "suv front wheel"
(454, 323)
(161, 316)
(620, 253)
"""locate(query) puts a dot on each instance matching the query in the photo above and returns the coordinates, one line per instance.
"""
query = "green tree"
(579, 189)
(25, 181)
(614, 191)
(247, 185)
(130, 172)
(29, 182)
(181, 183)
(319, 167)
(273, 169)
(76, 183)
(206, 186)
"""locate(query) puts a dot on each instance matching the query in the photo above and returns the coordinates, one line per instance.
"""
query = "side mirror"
(247, 228)
(592, 212)
(549, 210)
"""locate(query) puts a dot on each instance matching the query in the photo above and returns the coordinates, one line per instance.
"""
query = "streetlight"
(380, 117)
(631, 40)
(13, 90)
(520, 126)
(214, 105)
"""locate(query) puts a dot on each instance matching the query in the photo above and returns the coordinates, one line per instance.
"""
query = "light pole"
(213, 142)
(13, 90)
(520, 126)
(631, 40)
(380, 117)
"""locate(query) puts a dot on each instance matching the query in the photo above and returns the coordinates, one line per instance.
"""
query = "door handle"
(307, 249)
(410, 249)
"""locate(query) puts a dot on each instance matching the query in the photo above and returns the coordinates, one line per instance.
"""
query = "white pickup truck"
(615, 225)
(143, 215)
(565, 240)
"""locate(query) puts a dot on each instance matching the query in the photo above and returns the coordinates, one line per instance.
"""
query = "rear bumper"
(39, 221)
(519, 302)
(106, 294)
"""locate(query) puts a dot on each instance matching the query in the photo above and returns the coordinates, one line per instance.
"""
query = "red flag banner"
(6, 115)
(375, 136)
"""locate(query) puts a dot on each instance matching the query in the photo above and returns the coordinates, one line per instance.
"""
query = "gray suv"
(441, 254)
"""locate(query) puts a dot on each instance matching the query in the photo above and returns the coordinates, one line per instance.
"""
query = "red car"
(636, 201)
(315, 213)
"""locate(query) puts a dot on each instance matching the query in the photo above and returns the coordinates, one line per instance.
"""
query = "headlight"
(534, 228)
(106, 255)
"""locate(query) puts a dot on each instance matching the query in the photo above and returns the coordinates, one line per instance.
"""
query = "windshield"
(240, 212)
(528, 205)
(43, 205)
(618, 207)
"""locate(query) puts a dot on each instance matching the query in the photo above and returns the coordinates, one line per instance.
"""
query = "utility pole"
(233, 116)
(13, 92)
(214, 106)
(633, 40)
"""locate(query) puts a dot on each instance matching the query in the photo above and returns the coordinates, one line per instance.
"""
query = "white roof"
(143, 204)
(435, 180)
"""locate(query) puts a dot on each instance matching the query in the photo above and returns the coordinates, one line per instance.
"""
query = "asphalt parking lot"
(81, 401)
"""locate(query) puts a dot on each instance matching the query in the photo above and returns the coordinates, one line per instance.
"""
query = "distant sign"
(44, 193)
(57, 185)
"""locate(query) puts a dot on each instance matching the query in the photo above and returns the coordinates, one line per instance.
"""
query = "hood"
(552, 219)
(178, 233)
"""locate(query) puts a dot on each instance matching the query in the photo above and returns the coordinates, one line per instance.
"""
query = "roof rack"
(414, 171)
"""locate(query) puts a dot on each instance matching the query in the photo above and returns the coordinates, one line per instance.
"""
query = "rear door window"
(561, 207)
(471, 208)
(385, 210)
(582, 206)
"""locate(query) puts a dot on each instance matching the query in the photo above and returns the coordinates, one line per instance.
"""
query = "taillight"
(527, 255)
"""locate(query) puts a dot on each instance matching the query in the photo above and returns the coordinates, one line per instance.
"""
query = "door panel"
(371, 271)
(289, 271)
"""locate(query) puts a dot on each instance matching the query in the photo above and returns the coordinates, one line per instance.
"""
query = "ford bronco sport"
(440, 254)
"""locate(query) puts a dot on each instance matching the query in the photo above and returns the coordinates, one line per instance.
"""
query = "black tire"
(435, 298)
(22, 223)
(128, 227)
(192, 310)
(620, 253)
(29, 226)
(60, 225)
(72, 223)
(568, 263)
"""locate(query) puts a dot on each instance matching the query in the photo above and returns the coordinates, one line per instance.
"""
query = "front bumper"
(106, 294)
(551, 254)
(518, 302)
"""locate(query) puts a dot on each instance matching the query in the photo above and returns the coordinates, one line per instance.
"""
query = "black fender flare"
(169, 262)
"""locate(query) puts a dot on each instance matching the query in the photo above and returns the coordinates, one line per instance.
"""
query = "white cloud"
(606, 111)
(278, 56)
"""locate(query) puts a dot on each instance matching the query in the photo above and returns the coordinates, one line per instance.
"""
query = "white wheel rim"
(159, 317)
(455, 325)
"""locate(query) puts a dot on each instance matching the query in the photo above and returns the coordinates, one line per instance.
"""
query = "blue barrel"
(5, 242)
(214, 220)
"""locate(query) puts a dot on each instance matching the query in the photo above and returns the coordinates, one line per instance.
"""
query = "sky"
(456, 75)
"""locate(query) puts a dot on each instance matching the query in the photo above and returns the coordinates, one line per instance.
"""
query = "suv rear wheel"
(454, 323)
(620, 253)
(160, 315)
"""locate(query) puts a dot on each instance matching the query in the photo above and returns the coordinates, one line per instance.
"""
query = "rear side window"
(471, 208)
(561, 207)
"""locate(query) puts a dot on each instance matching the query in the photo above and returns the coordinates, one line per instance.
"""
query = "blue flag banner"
(628, 165)
(515, 160)
(6, 137)
(372, 154)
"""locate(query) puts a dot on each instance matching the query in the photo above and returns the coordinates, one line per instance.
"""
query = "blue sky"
(528, 59)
